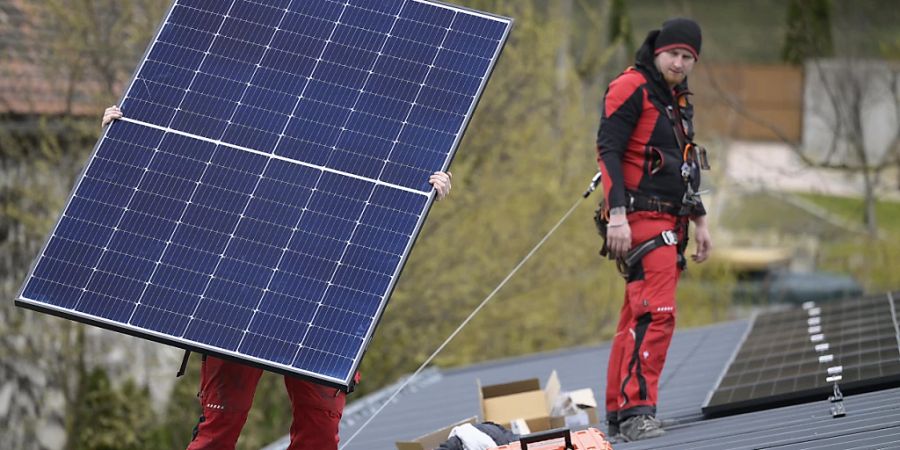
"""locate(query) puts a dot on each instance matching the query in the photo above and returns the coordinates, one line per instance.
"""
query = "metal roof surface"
(872, 422)
(696, 359)
(440, 397)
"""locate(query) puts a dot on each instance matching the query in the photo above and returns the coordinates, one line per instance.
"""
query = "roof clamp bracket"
(837, 399)
(837, 403)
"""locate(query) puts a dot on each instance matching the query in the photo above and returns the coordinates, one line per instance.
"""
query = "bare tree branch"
(849, 91)
(738, 107)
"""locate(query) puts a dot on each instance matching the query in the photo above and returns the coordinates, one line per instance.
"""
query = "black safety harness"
(693, 156)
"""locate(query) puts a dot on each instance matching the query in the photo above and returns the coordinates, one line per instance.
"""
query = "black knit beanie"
(679, 33)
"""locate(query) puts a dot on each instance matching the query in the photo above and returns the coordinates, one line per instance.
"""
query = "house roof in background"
(30, 84)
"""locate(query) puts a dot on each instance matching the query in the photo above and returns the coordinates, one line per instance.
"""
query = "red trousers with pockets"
(226, 394)
(646, 323)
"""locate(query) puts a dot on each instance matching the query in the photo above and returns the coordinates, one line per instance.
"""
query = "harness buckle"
(669, 237)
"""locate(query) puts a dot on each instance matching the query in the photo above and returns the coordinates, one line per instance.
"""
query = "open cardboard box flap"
(523, 399)
(433, 439)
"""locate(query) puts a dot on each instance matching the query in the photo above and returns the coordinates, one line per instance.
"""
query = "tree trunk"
(869, 218)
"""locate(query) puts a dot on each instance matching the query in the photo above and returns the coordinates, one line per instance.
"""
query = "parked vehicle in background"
(765, 276)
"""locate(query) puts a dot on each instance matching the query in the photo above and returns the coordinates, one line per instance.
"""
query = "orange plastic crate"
(589, 439)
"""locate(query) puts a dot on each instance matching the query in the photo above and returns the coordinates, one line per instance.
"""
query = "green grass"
(765, 213)
(874, 262)
(887, 212)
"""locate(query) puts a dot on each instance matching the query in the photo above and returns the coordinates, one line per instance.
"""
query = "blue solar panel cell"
(376, 261)
(352, 300)
(294, 286)
(227, 68)
(461, 62)
(71, 252)
(358, 21)
(469, 45)
(194, 17)
(267, 15)
(261, 194)
(217, 7)
(179, 273)
(165, 309)
(71, 229)
(308, 24)
(97, 303)
(427, 36)
(431, 14)
(392, 87)
(187, 36)
(481, 26)
(177, 305)
(258, 340)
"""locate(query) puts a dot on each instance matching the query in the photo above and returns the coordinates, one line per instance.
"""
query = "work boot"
(640, 427)
(612, 428)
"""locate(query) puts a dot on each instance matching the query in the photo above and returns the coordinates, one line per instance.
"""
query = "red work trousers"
(646, 323)
(226, 394)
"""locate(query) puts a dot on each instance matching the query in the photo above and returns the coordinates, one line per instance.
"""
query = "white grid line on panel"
(410, 111)
(383, 167)
(388, 221)
(363, 211)
(418, 93)
(274, 338)
(472, 55)
(196, 186)
(118, 222)
(308, 200)
(444, 69)
(242, 217)
(249, 218)
(179, 223)
(186, 269)
(890, 297)
(456, 9)
(202, 60)
(439, 5)
(269, 155)
(432, 108)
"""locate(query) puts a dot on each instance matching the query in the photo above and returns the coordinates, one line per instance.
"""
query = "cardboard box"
(524, 399)
(574, 409)
(433, 439)
(586, 417)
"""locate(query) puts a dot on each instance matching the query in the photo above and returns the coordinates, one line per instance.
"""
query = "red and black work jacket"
(637, 149)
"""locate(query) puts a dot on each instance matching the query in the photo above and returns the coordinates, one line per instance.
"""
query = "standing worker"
(651, 177)
(227, 388)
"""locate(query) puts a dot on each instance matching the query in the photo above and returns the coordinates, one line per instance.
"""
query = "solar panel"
(266, 185)
(796, 355)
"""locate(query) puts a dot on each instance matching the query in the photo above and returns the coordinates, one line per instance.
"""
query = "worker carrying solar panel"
(652, 177)
(227, 388)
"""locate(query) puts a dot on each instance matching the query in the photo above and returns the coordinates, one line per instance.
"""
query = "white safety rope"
(465, 322)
